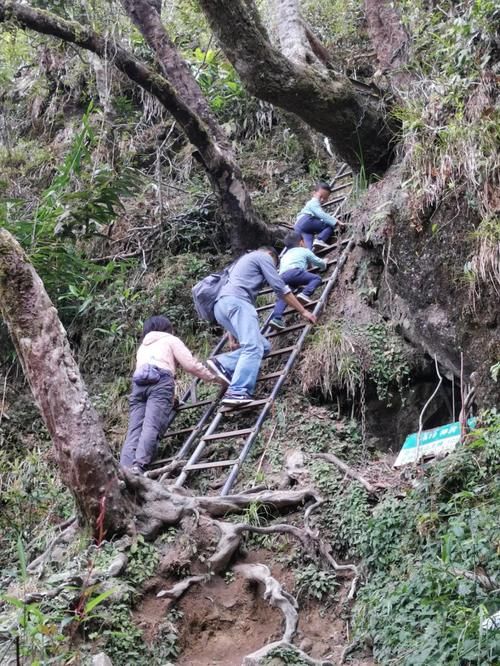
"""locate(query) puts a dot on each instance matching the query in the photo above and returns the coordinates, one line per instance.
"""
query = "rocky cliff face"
(423, 286)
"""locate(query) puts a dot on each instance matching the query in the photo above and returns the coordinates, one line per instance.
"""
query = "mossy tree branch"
(221, 168)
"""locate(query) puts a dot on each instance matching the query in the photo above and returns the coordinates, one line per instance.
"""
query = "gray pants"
(150, 408)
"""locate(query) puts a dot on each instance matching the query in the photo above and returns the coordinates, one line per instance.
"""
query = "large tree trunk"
(85, 460)
(357, 125)
(293, 34)
(389, 39)
(228, 180)
(247, 230)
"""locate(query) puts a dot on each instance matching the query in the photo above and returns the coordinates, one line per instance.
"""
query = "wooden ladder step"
(289, 329)
(270, 375)
(270, 306)
(269, 290)
(278, 352)
(238, 408)
(191, 405)
(209, 465)
(182, 431)
(228, 434)
(341, 187)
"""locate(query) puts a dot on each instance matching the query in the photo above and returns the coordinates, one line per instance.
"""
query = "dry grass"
(451, 120)
(331, 361)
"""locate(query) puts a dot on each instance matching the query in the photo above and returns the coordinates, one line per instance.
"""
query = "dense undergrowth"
(433, 565)
(112, 208)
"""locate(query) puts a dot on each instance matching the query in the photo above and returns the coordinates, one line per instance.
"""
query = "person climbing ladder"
(153, 388)
(293, 271)
(314, 221)
(235, 312)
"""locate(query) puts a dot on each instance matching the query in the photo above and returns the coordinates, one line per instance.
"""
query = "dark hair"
(157, 323)
(292, 240)
(271, 250)
(322, 186)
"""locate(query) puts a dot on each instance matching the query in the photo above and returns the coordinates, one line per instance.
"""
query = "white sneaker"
(305, 300)
(319, 245)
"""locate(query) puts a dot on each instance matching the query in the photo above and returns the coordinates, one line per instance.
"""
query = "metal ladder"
(206, 430)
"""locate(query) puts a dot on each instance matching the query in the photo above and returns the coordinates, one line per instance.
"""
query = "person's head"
(270, 251)
(322, 192)
(157, 323)
(293, 239)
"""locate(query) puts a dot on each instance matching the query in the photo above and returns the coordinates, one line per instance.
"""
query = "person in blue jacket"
(313, 223)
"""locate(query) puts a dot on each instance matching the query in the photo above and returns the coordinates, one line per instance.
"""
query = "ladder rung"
(217, 463)
(335, 201)
(270, 375)
(190, 405)
(250, 405)
(306, 305)
(228, 434)
(277, 352)
(340, 187)
(269, 290)
(328, 249)
(290, 329)
(182, 431)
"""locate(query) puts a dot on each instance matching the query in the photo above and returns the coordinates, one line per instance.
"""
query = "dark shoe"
(236, 399)
(304, 299)
(277, 324)
(219, 370)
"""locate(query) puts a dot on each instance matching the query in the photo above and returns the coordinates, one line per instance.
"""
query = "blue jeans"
(296, 277)
(239, 317)
(309, 226)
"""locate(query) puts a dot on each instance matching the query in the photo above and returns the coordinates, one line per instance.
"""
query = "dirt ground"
(225, 620)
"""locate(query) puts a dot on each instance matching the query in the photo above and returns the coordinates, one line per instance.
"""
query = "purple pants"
(150, 408)
(296, 277)
(309, 226)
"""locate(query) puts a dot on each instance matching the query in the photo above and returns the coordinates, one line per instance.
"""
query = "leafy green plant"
(80, 202)
(143, 560)
(315, 583)
(287, 655)
(425, 601)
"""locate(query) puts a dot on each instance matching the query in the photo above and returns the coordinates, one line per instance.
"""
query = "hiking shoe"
(277, 324)
(219, 370)
(136, 469)
(304, 299)
(236, 399)
(319, 245)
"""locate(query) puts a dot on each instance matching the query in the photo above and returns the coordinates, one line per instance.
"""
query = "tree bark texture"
(389, 39)
(247, 230)
(356, 124)
(293, 34)
(227, 178)
(85, 460)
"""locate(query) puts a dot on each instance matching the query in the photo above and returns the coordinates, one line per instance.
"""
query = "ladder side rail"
(289, 365)
(197, 452)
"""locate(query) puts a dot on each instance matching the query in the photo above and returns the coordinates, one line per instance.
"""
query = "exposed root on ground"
(255, 659)
(70, 527)
(333, 460)
(274, 593)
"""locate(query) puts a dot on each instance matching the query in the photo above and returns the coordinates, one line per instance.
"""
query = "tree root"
(166, 471)
(255, 659)
(274, 593)
(38, 564)
(179, 588)
(330, 458)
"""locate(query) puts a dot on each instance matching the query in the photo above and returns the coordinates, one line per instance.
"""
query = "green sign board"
(437, 441)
